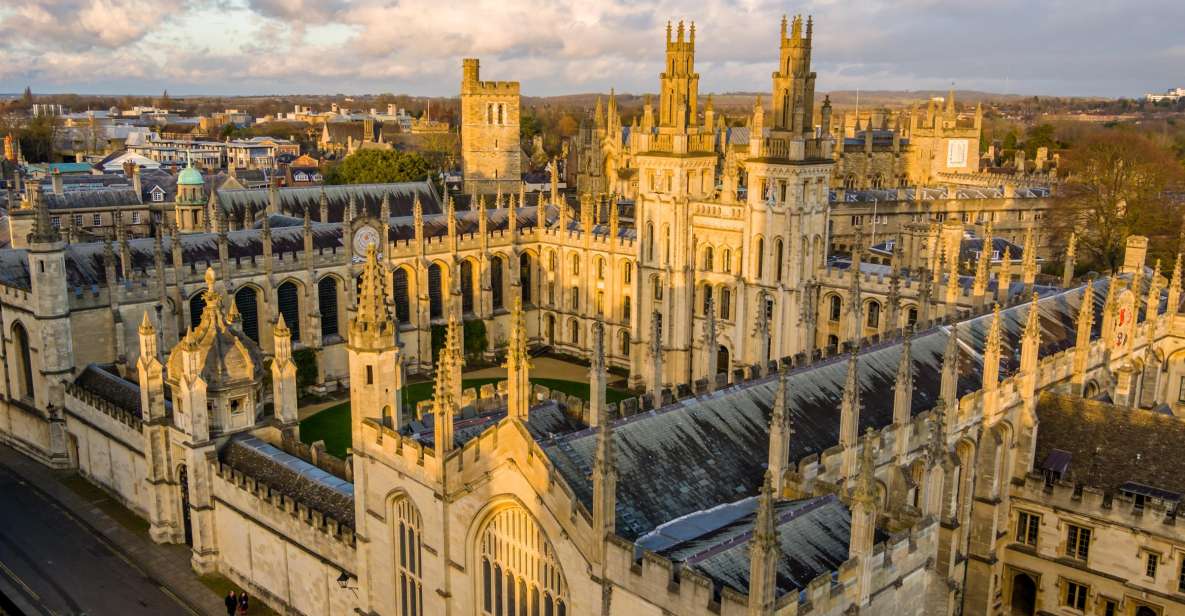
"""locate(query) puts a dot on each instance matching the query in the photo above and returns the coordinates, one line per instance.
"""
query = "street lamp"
(343, 580)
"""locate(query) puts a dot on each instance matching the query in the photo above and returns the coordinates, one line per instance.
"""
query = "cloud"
(558, 46)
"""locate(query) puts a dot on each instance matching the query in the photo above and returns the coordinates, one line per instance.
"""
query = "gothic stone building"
(163, 370)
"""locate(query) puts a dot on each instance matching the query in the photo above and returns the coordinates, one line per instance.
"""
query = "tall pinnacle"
(517, 365)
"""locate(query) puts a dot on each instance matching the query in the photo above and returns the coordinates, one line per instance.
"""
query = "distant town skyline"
(269, 47)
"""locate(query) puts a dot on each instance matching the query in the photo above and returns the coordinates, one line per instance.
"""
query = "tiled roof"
(110, 387)
(291, 476)
(1109, 446)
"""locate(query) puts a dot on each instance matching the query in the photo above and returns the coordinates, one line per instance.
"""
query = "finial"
(210, 279)
(146, 328)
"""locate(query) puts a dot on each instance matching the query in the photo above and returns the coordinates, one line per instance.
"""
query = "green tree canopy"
(1119, 185)
(380, 167)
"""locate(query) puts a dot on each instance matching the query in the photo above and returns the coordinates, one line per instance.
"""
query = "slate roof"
(368, 199)
(97, 197)
(299, 480)
(699, 453)
(813, 534)
(111, 387)
(543, 420)
(1110, 446)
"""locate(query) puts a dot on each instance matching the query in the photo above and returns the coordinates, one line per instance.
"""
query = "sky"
(228, 47)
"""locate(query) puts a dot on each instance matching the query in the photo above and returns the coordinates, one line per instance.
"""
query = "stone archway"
(1024, 595)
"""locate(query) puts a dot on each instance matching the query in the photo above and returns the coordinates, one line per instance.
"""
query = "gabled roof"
(368, 199)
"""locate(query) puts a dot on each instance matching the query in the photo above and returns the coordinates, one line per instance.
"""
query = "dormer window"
(158, 194)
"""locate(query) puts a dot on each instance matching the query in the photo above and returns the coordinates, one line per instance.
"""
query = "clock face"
(365, 236)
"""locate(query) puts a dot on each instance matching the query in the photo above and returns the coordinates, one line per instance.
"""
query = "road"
(54, 563)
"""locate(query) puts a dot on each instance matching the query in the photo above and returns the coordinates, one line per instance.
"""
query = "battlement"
(339, 530)
(1152, 515)
(471, 82)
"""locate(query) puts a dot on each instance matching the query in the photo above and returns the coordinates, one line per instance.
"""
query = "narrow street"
(52, 562)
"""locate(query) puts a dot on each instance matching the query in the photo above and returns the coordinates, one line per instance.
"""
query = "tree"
(1039, 136)
(1118, 183)
(380, 167)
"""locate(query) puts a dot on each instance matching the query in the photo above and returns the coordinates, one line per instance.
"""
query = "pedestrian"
(231, 602)
(243, 605)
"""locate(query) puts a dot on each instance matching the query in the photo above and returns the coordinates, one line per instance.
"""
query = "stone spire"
(444, 406)
(849, 417)
(656, 372)
(949, 386)
(903, 396)
(991, 352)
(1029, 261)
(1174, 296)
(1153, 300)
(780, 430)
(284, 375)
(855, 303)
(893, 318)
(1071, 254)
(604, 479)
(863, 505)
(711, 344)
(1082, 338)
(983, 267)
(925, 295)
(761, 335)
(1004, 278)
(454, 344)
(952, 277)
(764, 553)
(518, 386)
(371, 327)
(596, 377)
(1031, 342)
(43, 230)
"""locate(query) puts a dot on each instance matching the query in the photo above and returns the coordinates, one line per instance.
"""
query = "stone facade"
(491, 157)
(758, 473)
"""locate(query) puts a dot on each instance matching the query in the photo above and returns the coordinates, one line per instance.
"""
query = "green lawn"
(332, 425)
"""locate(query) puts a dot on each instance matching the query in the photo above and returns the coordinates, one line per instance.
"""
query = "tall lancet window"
(409, 585)
(520, 573)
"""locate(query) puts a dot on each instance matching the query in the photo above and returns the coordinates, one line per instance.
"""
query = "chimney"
(56, 178)
(135, 178)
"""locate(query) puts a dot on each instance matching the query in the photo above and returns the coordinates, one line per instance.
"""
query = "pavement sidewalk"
(166, 565)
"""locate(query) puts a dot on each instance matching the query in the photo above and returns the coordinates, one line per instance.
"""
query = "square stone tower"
(491, 158)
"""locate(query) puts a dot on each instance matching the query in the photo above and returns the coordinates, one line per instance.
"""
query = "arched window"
(20, 338)
(707, 299)
(466, 286)
(726, 261)
(626, 309)
(874, 314)
(759, 259)
(288, 300)
(832, 344)
(245, 303)
(708, 259)
(197, 305)
(327, 301)
(435, 293)
(913, 316)
(725, 303)
(666, 243)
(552, 262)
(648, 240)
(836, 308)
(496, 265)
(849, 182)
(520, 573)
(402, 304)
(627, 272)
(625, 343)
(575, 298)
(600, 268)
(524, 277)
(778, 259)
(575, 264)
(409, 584)
(657, 283)
(574, 331)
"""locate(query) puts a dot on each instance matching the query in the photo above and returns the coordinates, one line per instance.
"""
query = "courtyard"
(330, 422)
